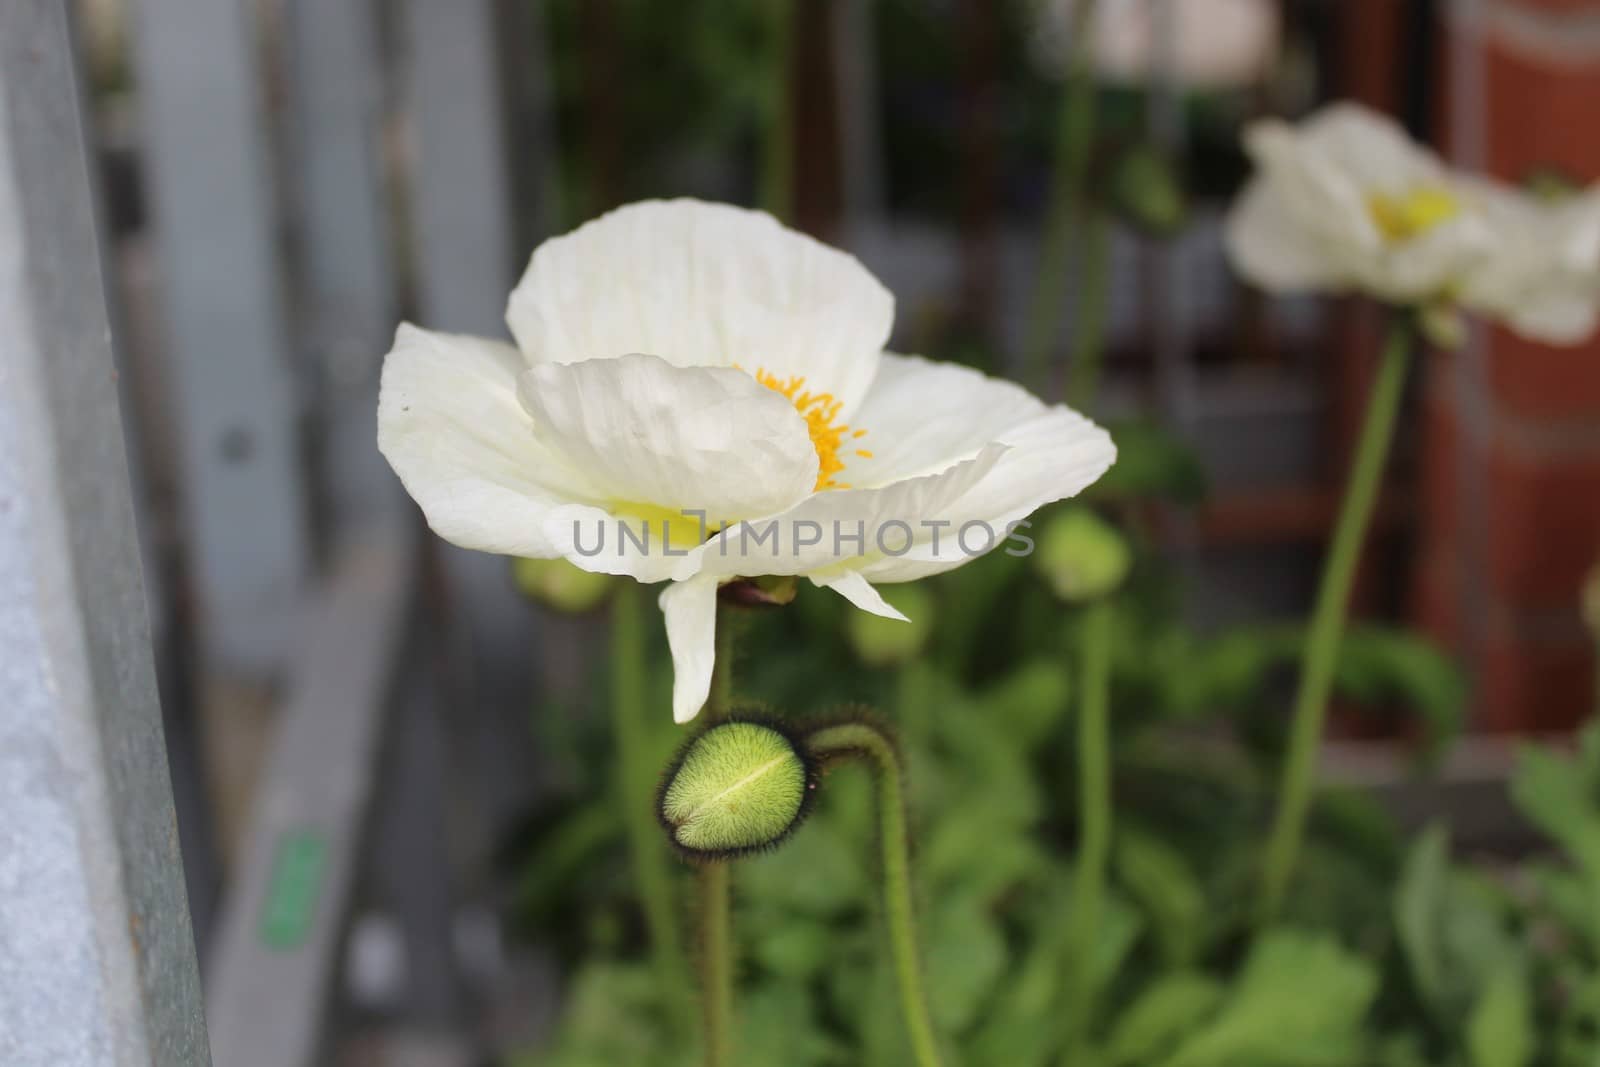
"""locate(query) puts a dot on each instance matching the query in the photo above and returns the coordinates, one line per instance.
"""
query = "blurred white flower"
(1217, 44)
(1345, 201)
(698, 394)
(1543, 280)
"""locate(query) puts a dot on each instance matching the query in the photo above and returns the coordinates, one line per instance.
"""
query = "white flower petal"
(658, 440)
(1543, 281)
(924, 416)
(952, 449)
(1359, 141)
(704, 284)
(855, 588)
(1268, 246)
(450, 425)
(1430, 263)
(1325, 203)
(691, 612)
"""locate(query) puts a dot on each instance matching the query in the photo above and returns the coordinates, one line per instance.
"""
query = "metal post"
(348, 283)
(464, 273)
(97, 961)
(206, 157)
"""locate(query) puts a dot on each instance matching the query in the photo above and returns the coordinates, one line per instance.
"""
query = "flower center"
(1414, 212)
(829, 436)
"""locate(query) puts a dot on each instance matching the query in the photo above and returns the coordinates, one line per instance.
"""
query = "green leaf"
(1172, 1006)
(777, 1025)
(1419, 904)
(1159, 880)
(816, 872)
(966, 957)
(792, 946)
(1029, 701)
(1300, 1002)
(1500, 1031)
(1146, 191)
(1453, 929)
(1151, 462)
(1559, 798)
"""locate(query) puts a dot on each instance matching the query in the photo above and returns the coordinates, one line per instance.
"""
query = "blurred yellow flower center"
(1413, 213)
(829, 436)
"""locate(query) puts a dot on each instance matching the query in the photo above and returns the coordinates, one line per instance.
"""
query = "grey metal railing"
(97, 960)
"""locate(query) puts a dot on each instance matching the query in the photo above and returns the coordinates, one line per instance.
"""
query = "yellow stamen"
(821, 412)
(1414, 212)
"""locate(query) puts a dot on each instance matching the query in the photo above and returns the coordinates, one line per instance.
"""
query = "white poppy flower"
(698, 394)
(1217, 44)
(1543, 280)
(1345, 201)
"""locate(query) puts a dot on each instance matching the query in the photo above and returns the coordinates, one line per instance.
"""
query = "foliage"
(1388, 954)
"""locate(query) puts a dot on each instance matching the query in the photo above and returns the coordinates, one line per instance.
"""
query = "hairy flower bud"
(882, 642)
(1083, 556)
(560, 585)
(740, 786)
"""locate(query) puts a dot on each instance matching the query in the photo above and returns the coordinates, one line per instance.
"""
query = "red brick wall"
(1506, 595)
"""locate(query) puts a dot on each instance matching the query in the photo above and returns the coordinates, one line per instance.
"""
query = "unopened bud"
(882, 642)
(561, 585)
(739, 786)
(1083, 556)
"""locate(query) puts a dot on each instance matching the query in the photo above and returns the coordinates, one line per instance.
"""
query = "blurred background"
(397, 813)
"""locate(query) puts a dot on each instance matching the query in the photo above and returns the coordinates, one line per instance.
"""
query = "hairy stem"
(1328, 619)
(716, 910)
(1094, 817)
(647, 855)
(861, 739)
(1068, 201)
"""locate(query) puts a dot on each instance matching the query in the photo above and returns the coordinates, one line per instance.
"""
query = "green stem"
(1328, 618)
(1094, 817)
(1089, 317)
(716, 890)
(647, 855)
(856, 738)
(716, 963)
(1068, 200)
(777, 141)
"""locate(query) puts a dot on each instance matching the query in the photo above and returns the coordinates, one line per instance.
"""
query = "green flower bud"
(560, 585)
(739, 786)
(884, 642)
(1146, 191)
(1083, 556)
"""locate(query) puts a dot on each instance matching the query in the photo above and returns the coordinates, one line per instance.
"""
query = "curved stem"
(1094, 816)
(716, 890)
(1328, 617)
(636, 777)
(1068, 197)
(856, 738)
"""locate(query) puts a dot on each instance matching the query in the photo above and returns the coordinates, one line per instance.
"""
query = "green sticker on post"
(292, 890)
